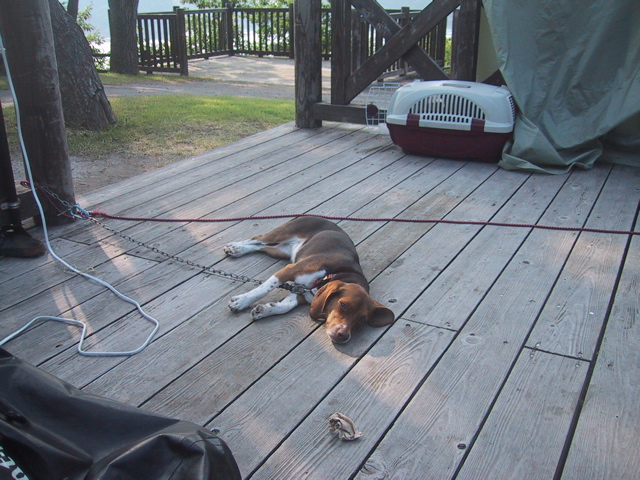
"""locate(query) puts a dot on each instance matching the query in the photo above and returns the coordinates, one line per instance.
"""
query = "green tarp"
(573, 67)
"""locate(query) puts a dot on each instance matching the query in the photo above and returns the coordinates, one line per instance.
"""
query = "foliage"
(84, 21)
(253, 32)
(238, 3)
(95, 39)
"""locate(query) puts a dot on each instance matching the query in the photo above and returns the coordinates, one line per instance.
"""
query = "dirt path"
(240, 76)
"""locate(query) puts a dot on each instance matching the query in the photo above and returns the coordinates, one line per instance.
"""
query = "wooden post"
(292, 32)
(404, 20)
(464, 43)
(340, 49)
(28, 40)
(308, 64)
(181, 46)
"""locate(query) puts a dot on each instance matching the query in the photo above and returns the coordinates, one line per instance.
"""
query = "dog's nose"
(340, 335)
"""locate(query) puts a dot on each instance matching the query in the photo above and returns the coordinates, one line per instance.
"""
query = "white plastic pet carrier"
(451, 119)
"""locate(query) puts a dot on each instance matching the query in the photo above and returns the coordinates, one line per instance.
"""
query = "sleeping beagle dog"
(324, 260)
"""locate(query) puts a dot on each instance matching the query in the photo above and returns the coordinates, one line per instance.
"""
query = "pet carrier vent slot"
(513, 106)
(446, 107)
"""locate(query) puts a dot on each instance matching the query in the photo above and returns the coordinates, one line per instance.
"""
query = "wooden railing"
(207, 32)
(166, 41)
(416, 39)
(162, 42)
(366, 40)
(262, 31)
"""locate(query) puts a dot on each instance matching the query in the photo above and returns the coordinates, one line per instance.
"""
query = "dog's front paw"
(232, 250)
(238, 303)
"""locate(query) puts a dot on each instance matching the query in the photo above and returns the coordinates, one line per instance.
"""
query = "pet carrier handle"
(456, 85)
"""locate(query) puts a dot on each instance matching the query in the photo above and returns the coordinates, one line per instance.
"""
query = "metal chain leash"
(71, 209)
(77, 212)
(204, 268)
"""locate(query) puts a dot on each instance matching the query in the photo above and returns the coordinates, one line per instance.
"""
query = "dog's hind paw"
(261, 311)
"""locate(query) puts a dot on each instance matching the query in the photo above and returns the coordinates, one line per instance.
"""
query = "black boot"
(16, 242)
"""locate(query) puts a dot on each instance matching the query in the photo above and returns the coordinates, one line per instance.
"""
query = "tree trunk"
(122, 25)
(28, 40)
(72, 8)
(84, 101)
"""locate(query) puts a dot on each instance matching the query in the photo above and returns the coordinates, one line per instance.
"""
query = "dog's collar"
(321, 282)
(313, 289)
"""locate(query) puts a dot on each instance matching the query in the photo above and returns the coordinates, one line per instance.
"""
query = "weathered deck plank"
(115, 194)
(525, 436)
(611, 406)
(458, 394)
(451, 298)
(571, 322)
(234, 184)
(477, 378)
(389, 372)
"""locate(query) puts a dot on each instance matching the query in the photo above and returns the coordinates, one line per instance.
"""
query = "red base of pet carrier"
(443, 143)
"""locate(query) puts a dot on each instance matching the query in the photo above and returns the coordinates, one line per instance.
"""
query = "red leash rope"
(98, 213)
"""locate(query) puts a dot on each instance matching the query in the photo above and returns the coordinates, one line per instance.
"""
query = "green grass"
(109, 78)
(176, 126)
(179, 125)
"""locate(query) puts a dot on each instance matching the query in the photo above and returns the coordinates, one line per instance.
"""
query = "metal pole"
(14, 240)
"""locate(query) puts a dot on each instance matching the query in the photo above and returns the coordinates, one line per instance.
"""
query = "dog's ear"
(319, 303)
(381, 316)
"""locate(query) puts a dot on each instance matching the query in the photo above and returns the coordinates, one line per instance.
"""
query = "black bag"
(50, 430)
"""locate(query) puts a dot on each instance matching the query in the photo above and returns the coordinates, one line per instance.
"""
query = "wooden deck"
(516, 353)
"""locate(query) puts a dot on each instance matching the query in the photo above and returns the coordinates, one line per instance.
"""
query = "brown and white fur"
(322, 257)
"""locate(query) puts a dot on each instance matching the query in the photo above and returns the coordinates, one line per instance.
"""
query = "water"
(100, 18)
